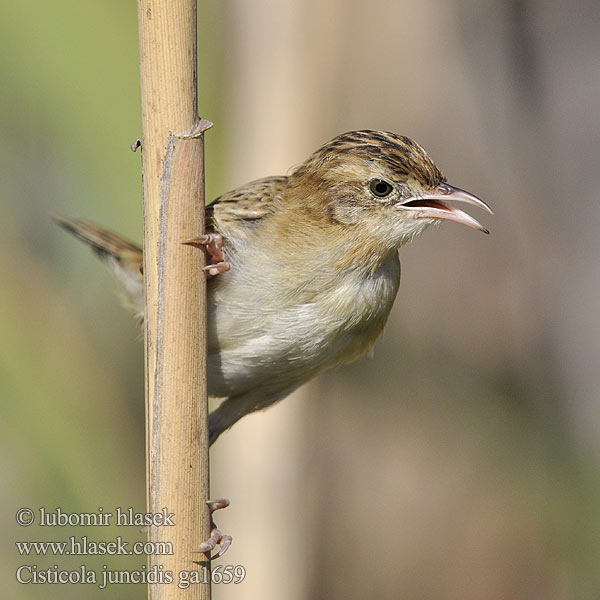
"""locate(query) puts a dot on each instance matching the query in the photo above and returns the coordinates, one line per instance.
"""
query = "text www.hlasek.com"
(83, 546)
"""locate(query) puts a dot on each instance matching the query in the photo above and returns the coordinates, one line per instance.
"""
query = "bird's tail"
(103, 242)
(124, 257)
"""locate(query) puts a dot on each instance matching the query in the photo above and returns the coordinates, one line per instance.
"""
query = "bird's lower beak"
(433, 206)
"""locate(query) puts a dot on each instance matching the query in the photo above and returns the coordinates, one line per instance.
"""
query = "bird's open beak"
(433, 206)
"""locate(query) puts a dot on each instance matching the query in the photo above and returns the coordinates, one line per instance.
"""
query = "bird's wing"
(239, 210)
(243, 206)
(234, 213)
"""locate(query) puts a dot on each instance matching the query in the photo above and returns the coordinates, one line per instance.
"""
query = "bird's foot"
(216, 537)
(213, 243)
(217, 268)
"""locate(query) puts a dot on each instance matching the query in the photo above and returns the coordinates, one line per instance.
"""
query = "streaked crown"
(401, 155)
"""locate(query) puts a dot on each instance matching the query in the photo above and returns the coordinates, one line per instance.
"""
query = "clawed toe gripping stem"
(213, 243)
(216, 537)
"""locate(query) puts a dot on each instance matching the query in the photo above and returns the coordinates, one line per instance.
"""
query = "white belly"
(274, 341)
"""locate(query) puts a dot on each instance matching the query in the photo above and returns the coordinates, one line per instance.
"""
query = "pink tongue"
(428, 204)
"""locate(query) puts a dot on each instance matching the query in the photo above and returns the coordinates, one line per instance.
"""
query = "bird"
(302, 269)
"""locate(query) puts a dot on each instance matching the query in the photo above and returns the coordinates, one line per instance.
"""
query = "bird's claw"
(217, 268)
(216, 537)
(213, 242)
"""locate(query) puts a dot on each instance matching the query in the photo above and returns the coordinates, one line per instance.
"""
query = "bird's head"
(385, 183)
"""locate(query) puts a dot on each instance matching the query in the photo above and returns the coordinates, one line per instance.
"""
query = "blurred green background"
(462, 461)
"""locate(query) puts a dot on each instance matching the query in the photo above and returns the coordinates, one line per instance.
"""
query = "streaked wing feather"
(245, 205)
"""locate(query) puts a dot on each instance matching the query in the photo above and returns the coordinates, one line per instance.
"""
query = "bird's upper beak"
(433, 205)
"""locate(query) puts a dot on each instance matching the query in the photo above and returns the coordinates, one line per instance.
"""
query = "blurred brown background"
(463, 461)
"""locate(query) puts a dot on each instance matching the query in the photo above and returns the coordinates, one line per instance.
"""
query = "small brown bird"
(307, 264)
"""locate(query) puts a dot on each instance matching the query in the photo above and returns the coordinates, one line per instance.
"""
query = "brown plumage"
(314, 263)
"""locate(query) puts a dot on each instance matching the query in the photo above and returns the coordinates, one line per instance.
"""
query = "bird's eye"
(380, 188)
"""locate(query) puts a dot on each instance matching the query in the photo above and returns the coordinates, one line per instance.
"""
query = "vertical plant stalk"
(175, 288)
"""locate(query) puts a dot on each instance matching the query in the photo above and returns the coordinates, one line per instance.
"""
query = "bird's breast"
(276, 336)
